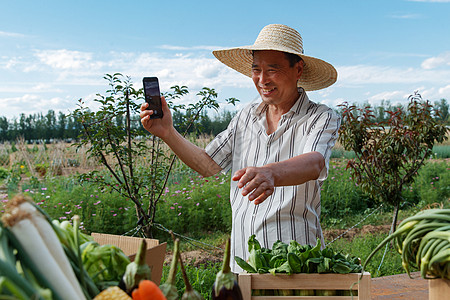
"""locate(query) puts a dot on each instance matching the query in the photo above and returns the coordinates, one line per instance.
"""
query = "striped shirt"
(291, 212)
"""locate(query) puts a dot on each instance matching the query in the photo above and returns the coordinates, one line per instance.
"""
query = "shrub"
(41, 169)
(197, 206)
(433, 183)
(441, 151)
(64, 197)
(340, 195)
(389, 153)
(4, 173)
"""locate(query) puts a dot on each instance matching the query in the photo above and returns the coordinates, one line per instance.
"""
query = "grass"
(441, 151)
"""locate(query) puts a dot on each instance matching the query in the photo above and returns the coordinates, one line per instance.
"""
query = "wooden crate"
(154, 256)
(249, 282)
(439, 289)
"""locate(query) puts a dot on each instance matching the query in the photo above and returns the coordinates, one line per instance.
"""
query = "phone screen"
(153, 96)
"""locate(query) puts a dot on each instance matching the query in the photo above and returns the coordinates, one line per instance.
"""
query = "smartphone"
(153, 96)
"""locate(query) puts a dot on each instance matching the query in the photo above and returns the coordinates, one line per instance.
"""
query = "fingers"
(238, 176)
(263, 197)
(257, 183)
(145, 113)
(144, 106)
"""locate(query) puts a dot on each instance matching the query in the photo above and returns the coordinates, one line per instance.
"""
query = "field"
(197, 209)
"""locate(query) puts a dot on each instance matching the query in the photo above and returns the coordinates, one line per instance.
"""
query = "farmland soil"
(201, 257)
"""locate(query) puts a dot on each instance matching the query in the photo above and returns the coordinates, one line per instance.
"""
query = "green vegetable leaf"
(244, 265)
(253, 243)
(294, 262)
(341, 267)
(324, 266)
(280, 248)
(277, 261)
(284, 268)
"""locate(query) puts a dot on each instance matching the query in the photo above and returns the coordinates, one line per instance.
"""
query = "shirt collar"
(296, 108)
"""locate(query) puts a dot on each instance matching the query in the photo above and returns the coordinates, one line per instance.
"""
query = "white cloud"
(11, 34)
(83, 68)
(194, 48)
(207, 70)
(55, 79)
(387, 95)
(445, 92)
(23, 104)
(442, 59)
(31, 103)
(406, 16)
(64, 59)
(366, 74)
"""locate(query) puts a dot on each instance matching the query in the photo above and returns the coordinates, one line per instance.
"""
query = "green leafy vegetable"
(295, 258)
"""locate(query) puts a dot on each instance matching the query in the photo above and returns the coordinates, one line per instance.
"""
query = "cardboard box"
(338, 282)
(438, 289)
(154, 256)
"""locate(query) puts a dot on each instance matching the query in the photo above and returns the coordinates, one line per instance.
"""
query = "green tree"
(61, 127)
(50, 125)
(4, 125)
(389, 154)
(442, 110)
(118, 147)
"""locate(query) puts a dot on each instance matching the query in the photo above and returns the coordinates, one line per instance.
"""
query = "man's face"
(274, 78)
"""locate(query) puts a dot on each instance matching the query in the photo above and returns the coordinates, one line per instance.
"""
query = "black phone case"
(152, 96)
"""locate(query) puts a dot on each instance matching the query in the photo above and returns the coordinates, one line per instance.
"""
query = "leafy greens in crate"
(295, 258)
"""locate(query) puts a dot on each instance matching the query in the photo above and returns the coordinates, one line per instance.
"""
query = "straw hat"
(317, 74)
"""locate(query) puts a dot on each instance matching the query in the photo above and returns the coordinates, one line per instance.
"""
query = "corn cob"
(112, 293)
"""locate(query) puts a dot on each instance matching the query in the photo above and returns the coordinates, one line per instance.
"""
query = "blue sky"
(53, 53)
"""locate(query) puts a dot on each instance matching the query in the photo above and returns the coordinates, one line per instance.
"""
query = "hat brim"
(317, 74)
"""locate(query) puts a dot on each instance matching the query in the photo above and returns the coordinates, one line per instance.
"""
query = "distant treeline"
(52, 126)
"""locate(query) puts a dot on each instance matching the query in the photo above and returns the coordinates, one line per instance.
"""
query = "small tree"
(389, 154)
(119, 147)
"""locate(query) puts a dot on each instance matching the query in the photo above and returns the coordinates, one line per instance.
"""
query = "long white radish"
(50, 238)
(35, 247)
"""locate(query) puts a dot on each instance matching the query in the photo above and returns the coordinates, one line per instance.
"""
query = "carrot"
(136, 295)
(147, 290)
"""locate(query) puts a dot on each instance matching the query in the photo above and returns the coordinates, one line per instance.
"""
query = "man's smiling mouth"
(267, 91)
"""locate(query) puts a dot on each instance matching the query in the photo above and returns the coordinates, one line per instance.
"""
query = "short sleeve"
(220, 149)
(322, 136)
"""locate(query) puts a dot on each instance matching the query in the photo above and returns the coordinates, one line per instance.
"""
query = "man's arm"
(259, 182)
(193, 156)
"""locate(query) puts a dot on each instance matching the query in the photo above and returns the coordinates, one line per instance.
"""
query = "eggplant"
(226, 287)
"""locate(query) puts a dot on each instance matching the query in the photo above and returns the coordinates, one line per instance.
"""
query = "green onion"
(423, 241)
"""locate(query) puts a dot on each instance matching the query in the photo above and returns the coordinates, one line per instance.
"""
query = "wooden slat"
(245, 284)
(249, 282)
(439, 289)
(303, 298)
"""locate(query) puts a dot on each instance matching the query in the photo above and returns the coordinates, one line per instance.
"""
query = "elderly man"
(277, 148)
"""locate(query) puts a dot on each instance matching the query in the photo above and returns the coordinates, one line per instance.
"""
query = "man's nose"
(263, 78)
